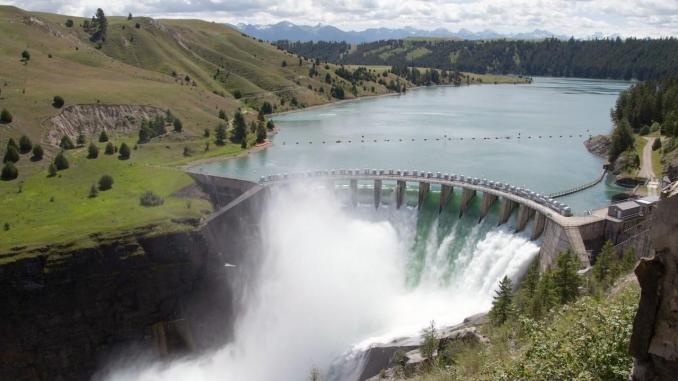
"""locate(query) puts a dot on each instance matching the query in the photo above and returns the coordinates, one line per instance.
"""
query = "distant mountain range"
(286, 30)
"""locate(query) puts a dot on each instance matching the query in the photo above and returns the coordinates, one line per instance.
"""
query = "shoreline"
(188, 167)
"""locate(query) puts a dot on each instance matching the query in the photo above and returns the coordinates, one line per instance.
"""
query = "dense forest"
(640, 59)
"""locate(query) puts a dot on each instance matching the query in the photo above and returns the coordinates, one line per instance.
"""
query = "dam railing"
(580, 187)
(520, 195)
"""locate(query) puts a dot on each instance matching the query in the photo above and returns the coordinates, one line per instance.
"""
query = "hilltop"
(198, 72)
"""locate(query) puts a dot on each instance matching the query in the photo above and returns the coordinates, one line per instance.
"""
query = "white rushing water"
(333, 279)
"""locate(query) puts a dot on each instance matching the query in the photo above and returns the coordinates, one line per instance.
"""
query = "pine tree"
(11, 155)
(38, 152)
(178, 126)
(52, 170)
(81, 139)
(261, 132)
(5, 116)
(239, 128)
(502, 304)
(12, 143)
(124, 152)
(60, 161)
(25, 144)
(66, 143)
(546, 296)
(603, 268)
(93, 191)
(566, 278)
(93, 151)
(103, 137)
(220, 134)
(110, 149)
(9, 172)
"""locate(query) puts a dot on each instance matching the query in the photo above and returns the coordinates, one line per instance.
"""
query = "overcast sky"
(581, 18)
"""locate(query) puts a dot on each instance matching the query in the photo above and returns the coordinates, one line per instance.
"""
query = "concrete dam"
(551, 221)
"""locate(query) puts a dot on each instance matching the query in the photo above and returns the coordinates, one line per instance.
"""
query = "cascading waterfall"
(334, 280)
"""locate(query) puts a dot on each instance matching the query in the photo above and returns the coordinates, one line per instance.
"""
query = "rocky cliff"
(654, 343)
(91, 119)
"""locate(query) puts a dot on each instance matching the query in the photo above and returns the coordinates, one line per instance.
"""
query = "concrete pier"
(354, 192)
(507, 207)
(488, 200)
(524, 214)
(424, 187)
(377, 193)
(400, 193)
(538, 228)
(466, 197)
(445, 195)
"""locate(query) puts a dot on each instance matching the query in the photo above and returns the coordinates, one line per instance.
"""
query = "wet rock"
(599, 145)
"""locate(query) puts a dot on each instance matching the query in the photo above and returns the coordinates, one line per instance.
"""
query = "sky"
(579, 18)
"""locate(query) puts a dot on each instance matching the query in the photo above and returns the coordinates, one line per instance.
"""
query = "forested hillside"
(608, 58)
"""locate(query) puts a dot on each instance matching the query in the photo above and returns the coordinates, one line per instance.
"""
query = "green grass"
(43, 210)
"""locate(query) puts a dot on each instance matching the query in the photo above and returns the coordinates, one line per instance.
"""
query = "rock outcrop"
(91, 119)
(654, 342)
(599, 145)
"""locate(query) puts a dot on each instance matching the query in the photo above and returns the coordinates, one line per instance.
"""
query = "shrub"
(284, 63)
(270, 126)
(237, 94)
(124, 152)
(38, 153)
(109, 150)
(178, 126)
(657, 144)
(81, 139)
(103, 137)
(58, 101)
(92, 151)
(5, 116)
(645, 130)
(12, 143)
(430, 341)
(69, 23)
(188, 152)
(222, 114)
(25, 56)
(206, 133)
(105, 182)
(151, 199)
(9, 172)
(266, 108)
(11, 155)
(25, 144)
(52, 170)
(60, 162)
(93, 191)
(66, 143)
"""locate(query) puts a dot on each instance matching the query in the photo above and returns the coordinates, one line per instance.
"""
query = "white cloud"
(641, 18)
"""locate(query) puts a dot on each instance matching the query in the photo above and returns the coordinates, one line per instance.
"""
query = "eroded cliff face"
(91, 119)
(654, 342)
(64, 314)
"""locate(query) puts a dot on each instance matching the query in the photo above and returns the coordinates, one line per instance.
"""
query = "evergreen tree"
(178, 126)
(60, 161)
(52, 170)
(270, 126)
(9, 172)
(502, 303)
(566, 278)
(5, 116)
(261, 132)
(222, 114)
(66, 143)
(25, 144)
(630, 260)
(124, 152)
(105, 182)
(220, 134)
(92, 151)
(93, 191)
(58, 101)
(38, 153)
(109, 150)
(103, 136)
(239, 128)
(621, 139)
(81, 139)
(605, 267)
(11, 155)
(546, 296)
(12, 143)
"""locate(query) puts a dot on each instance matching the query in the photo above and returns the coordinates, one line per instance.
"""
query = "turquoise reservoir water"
(390, 132)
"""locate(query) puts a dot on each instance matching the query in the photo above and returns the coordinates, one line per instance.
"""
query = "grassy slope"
(133, 66)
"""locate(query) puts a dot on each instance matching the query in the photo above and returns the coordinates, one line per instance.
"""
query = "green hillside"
(190, 67)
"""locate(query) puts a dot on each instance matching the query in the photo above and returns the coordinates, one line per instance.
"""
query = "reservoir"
(461, 130)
